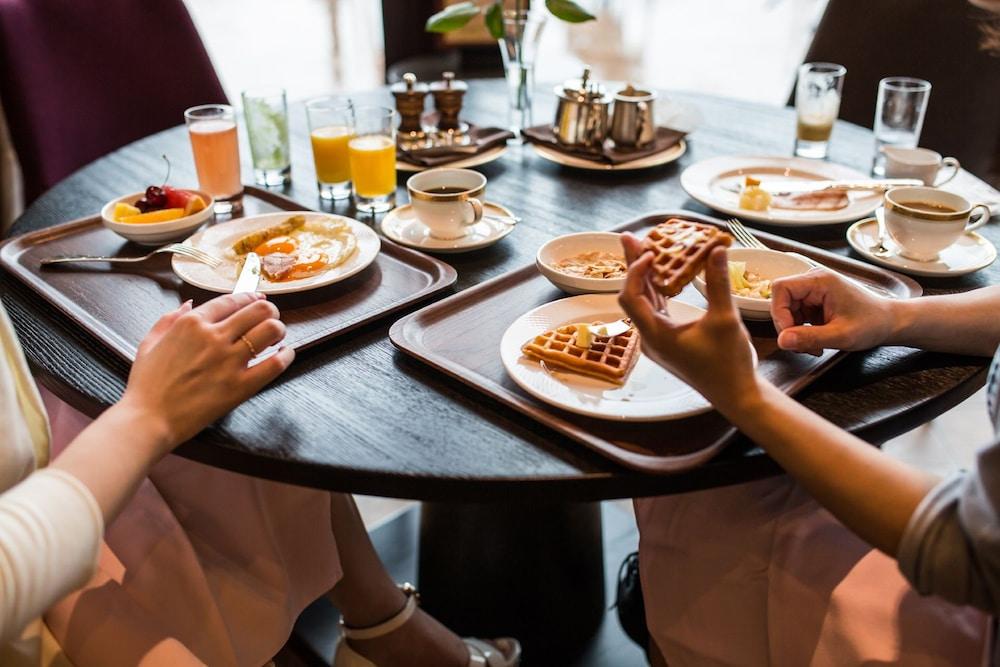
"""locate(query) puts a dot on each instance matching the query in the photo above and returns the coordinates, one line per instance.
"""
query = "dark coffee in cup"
(928, 206)
(446, 190)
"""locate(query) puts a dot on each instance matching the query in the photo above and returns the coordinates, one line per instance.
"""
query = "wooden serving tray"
(461, 336)
(118, 304)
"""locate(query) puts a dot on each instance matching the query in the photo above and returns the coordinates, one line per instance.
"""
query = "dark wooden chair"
(937, 40)
(79, 79)
(409, 48)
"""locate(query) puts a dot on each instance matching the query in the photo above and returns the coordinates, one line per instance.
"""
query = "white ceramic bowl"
(156, 233)
(570, 245)
(768, 264)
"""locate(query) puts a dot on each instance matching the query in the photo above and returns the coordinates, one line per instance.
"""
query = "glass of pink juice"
(214, 142)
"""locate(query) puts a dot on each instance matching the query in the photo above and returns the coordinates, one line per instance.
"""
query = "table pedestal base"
(534, 571)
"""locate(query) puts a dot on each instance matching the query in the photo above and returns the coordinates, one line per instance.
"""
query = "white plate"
(706, 181)
(650, 393)
(970, 253)
(217, 239)
(494, 153)
(654, 160)
(402, 226)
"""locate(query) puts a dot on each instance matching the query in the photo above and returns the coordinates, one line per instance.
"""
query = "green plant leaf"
(452, 17)
(568, 11)
(494, 19)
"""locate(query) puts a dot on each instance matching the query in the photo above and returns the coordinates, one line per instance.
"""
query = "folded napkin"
(974, 190)
(609, 154)
(483, 139)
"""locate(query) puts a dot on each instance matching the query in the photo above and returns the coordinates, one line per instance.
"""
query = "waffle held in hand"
(680, 249)
(579, 348)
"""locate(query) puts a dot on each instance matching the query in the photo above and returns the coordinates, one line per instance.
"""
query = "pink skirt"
(203, 566)
(759, 574)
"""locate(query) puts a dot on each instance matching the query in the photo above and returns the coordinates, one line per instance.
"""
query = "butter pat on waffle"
(680, 249)
(608, 358)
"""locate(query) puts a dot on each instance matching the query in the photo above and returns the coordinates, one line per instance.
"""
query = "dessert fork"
(189, 251)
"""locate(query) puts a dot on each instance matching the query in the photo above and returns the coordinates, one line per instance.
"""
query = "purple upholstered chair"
(80, 78)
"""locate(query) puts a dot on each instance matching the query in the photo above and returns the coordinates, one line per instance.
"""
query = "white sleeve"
(50, 533)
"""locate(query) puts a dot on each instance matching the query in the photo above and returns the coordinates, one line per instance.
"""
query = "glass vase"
(519, 45)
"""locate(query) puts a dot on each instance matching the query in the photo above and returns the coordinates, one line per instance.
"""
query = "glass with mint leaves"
(266, 112)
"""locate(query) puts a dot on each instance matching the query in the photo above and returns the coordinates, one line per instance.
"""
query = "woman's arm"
(190, 370)
(871, 493)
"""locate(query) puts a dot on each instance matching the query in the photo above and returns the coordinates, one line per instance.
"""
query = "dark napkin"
(483, 139)
(665, 138)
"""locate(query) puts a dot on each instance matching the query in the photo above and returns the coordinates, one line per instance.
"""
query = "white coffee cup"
(447, 201)
(921, 163)
(922, 232)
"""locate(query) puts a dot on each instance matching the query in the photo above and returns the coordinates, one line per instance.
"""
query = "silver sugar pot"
(632, 122)
(582, 113)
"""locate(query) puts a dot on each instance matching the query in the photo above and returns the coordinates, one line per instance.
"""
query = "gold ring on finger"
(253, 350)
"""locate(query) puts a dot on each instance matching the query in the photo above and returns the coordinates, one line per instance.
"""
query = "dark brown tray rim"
(402, 331)
(443, 274)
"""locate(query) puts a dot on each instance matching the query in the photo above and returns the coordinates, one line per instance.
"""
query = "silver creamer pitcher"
(632, 123)
(582, 113)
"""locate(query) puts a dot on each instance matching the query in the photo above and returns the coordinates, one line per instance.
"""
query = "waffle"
(680, 249)
(608, 358)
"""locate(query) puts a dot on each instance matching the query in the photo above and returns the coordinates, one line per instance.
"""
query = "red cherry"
(155, 197)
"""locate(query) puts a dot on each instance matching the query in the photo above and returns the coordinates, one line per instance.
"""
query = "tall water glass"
(522, 29)
(899, 115)
(266, 113)
(817, 104)
(216, 148)
(331, 126)
(372, 152)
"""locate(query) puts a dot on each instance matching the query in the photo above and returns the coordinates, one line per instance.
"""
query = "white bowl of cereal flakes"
(751, 273)
(584, 263)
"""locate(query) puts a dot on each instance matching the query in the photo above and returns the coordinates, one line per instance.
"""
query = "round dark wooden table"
(355, 415)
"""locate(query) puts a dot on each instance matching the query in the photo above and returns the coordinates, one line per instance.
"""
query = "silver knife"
(249, 275)
(797, 187)
(612, 329)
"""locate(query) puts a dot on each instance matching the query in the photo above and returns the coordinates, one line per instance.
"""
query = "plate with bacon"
(788, 191)
(299, 250)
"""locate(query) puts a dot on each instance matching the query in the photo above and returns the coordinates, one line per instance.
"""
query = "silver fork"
(196, 254)
(744, 236)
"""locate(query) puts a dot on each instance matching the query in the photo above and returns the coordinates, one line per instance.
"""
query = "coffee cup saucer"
(404, 227)
(970, 253)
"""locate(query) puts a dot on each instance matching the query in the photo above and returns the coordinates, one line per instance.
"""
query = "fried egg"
(314, 248)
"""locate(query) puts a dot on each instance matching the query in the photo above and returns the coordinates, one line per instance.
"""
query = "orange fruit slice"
(123, 210)
(163, 215)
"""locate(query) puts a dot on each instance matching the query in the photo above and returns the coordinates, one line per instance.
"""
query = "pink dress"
(759, 574)
(203, 566)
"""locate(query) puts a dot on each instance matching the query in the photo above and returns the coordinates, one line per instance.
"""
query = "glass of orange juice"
(372, 153)
(212, 128)
(331, 126)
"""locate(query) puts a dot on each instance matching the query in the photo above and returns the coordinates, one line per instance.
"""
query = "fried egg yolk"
(283, 244)
(309, 264)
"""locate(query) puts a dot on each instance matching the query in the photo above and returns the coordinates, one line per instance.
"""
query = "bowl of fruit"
(159, 215)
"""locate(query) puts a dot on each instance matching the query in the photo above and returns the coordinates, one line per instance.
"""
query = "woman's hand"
(842, 314)
(192, 366)
(711, 354)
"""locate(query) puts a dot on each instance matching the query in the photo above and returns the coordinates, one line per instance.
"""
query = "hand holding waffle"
(711, 354)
